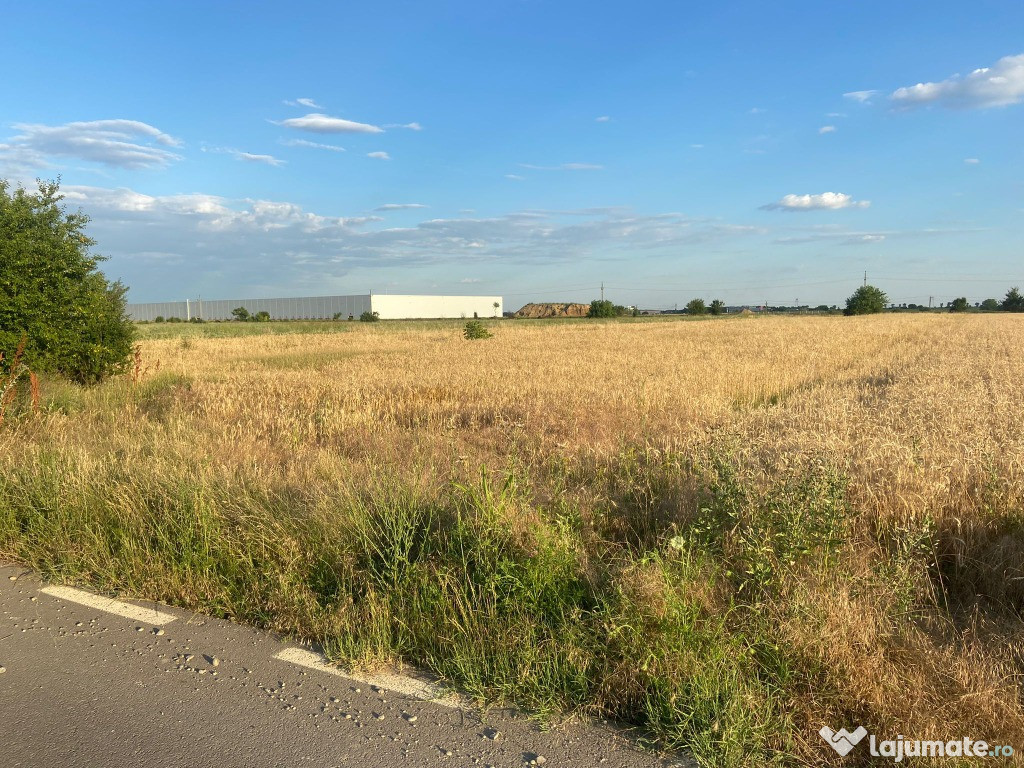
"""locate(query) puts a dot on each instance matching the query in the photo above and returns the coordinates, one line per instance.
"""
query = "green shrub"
(261, 317)
(696, 307)
(52, 293)
(369, 317)
(867, 300)
(241, 314)
(158, 319)
(476, 330)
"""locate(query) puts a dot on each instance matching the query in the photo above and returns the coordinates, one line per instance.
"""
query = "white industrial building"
(387, 307)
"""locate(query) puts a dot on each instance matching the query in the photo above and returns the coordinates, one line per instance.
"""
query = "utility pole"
(930, 301)
(602, 290)
(865, 277)
(188, 310)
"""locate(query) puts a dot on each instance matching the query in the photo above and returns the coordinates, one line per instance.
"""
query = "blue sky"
(743, 150)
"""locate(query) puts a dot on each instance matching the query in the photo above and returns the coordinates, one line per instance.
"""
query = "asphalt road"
(85, 686)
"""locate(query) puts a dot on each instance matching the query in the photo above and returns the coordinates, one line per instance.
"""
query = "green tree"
(866, 300)
(990, 305)
(369, 317)
(717, 307)
(1013, 302)
(241, 314)
(696, 307)
(602, 308)
(261, 317)
(958, 305)
(52, 293)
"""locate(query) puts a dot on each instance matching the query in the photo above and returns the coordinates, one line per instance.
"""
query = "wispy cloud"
(564, 167)
(379, 155)
(128, 144)
(318, 123)
(249, 157)
(311, 145)
(410, 126)
(826, 201)
(972, 160)
(282, 245)
(827, 129)
(399, 206)
(1000, 85)
(862, 97)
(308, 103)
(757, 111)
(602, 119)
(514, 177)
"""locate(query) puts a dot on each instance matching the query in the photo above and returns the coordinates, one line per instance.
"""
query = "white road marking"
(108, 605)
(401, 684)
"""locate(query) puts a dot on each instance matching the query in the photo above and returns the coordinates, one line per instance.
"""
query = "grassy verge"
(707, 632)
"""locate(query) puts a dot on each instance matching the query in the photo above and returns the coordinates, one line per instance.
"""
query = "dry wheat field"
(724, 533)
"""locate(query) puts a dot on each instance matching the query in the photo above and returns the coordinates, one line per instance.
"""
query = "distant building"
(387, 306)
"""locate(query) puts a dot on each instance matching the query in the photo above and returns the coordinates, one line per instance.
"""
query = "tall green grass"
(548, 605)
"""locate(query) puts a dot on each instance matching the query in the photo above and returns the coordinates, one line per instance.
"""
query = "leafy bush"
(261, 317)
(476, 330)
(990, 305)
(158, 319)
(241, 314)
(717, 307)
(52, 293)
(369, 317)
(196, 320)
(696, 307)
(601, 308)
(958, 305)
(867, 300)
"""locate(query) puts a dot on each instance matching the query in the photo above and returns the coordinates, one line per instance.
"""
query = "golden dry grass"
(907, 616)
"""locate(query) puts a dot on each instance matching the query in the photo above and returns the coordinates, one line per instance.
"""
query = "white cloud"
(602, 119)
(318, 123)
(399, 206)
(863, 97)
(826, 201)
(996, 86)
(757, 111)
(216, 244)
(564, 167)
(311, 144)
(514, 177)
(836, 114)
(971, 160)
(127, 144)
(470, 280)
(410, 126)
(249, 157)
(379, 155)
(827, 129)
(308, 103)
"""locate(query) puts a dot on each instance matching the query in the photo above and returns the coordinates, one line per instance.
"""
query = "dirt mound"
(746, 313)
(549, 309)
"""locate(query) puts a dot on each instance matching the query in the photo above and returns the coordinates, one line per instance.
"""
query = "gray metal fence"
(305, 308)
